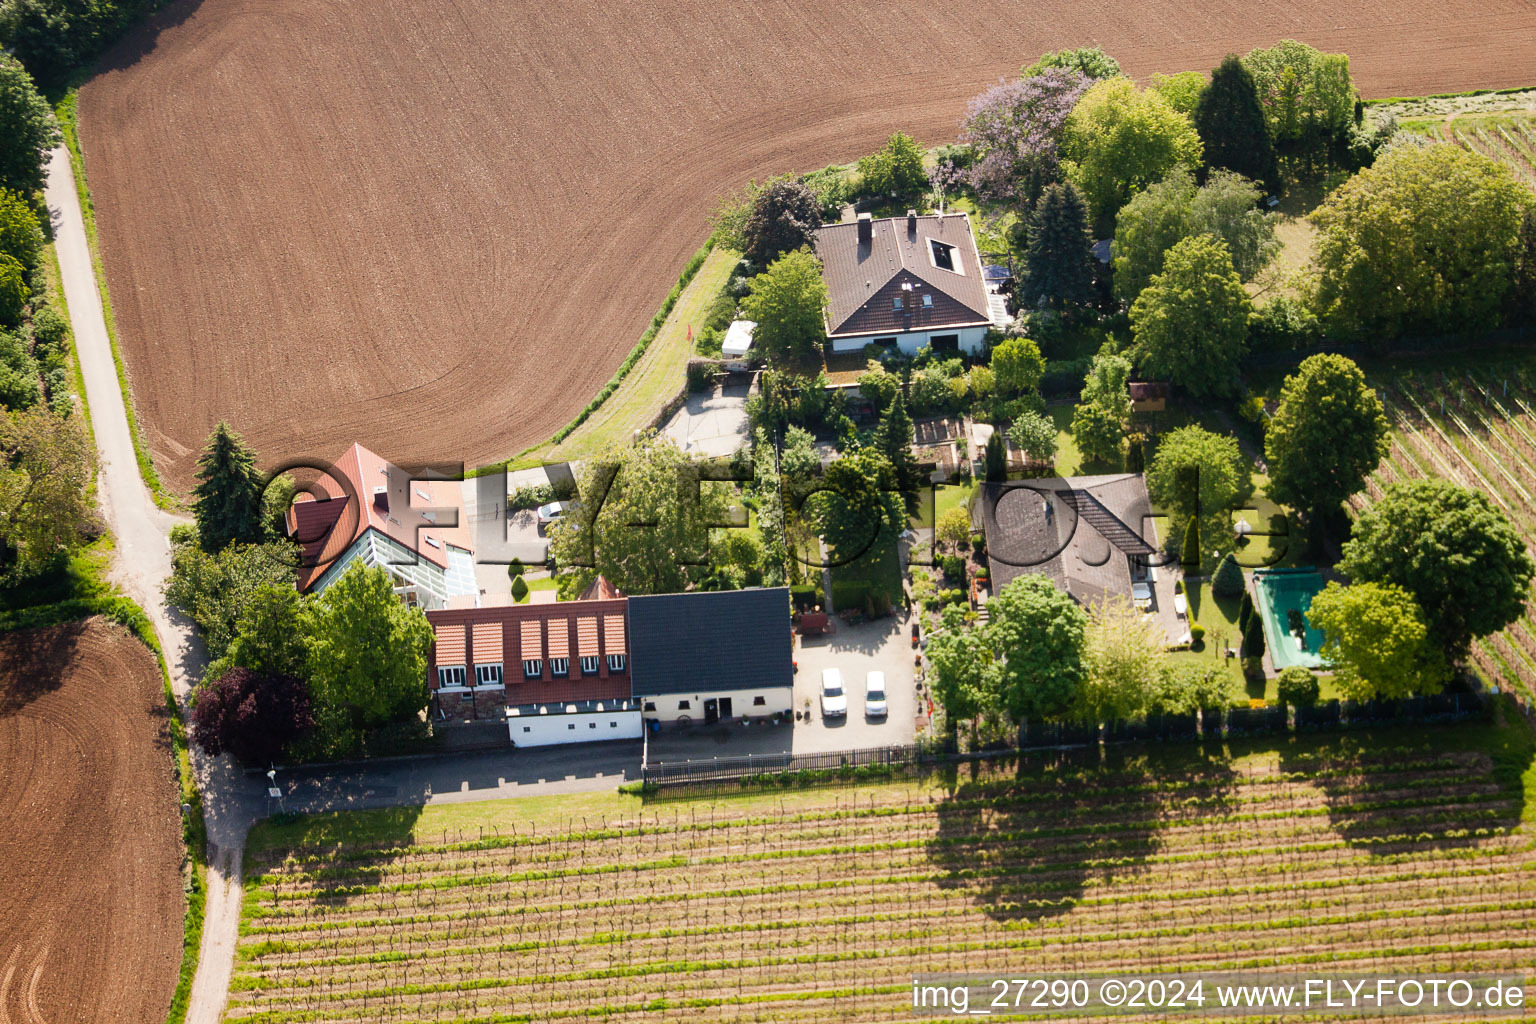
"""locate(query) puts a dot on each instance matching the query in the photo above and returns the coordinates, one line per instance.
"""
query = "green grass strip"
(68, 117)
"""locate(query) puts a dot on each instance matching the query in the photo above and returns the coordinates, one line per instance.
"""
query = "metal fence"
(1050, 739)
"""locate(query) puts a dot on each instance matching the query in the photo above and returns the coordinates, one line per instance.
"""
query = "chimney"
(911, 222)
(866, 229)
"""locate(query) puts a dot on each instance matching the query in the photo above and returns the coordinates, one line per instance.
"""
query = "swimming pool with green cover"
(1277, 593)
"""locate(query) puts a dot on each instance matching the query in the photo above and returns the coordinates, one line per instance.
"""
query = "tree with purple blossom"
(251, 714)
(1014, 130)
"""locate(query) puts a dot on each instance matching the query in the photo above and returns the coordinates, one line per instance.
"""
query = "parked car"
(554, 510)
(834, 702)
(874, 695)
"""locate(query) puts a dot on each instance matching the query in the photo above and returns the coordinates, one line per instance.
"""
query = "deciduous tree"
(1196, 470)
(1014, 131)
(1124, 656)
(1175, 209)
(1039, 633)
(1307, 97)
(1424, 239)
(214, 590)
(1017, 367)
(1191, 323)
(1118, 141)
(1104, 408)
(1035, 436)
(1377, 638)
(269, 632)
(788, 302)
(785, 215)
(642, 519)
(252, 715)
(1328, 434)
(367, 650)
(897, 170)
(20, 236)
(1456, 554)
(1296, 687)
(46, 464)
(964, 672)
(27, 126)
(1182, 90)
(1088, 61)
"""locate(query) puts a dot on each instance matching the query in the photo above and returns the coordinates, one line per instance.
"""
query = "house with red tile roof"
(904, 282)
(578, 672)
(370, 511)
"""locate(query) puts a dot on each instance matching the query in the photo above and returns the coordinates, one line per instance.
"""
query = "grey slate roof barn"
(721, 641)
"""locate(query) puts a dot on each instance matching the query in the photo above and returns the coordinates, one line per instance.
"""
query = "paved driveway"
(883, 645)
(711, 425)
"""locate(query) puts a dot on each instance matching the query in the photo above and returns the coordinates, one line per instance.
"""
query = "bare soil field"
(437, 230)
(91, 902)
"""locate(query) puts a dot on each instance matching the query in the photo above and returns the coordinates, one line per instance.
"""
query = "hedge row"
(639, 350)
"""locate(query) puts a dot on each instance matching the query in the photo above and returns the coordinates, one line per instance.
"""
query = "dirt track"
(91, 903)
(439, 232)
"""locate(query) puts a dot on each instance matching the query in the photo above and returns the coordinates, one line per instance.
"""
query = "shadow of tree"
(1028, 845)
(31, 662)
(1390, 789)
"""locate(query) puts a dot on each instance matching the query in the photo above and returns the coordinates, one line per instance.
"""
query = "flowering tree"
(1014, 129)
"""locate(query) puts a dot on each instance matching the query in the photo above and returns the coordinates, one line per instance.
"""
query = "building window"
(682, 705)
(527, 728)
(759, 702)
(589, 666)
(615, 663)
(571, 726)
(650, 705)
(450, 675)
(613, 725)
(943, 255)
(591, 725)
(533, 668)
(488, 675)
(560, 666)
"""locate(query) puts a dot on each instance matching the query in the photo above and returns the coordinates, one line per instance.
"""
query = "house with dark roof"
(370, 511)
(1087, 534)
(580, 671)
(704, 656)
(904, 282)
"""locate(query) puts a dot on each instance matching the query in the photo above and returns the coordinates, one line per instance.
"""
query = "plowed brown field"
(91, 904)
(437, 228)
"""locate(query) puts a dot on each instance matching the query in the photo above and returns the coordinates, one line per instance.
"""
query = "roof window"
(896, 302)
(944, 256)
(927, 301)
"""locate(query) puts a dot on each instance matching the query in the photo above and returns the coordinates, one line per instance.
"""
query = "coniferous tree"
(1058, 269)
(1228, 579)
(228, 495)
(894, 439)
(1253, 637)
(1190, 555)
(1230, 121)
(1244, 612)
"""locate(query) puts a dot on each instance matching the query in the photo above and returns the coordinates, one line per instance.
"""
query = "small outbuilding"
(738, 341)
